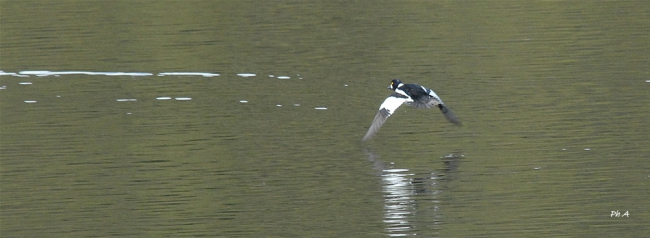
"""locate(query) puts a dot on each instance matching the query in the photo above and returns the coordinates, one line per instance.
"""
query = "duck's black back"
(416, 92)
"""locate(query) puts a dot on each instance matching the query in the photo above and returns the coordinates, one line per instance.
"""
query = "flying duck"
(413, 95)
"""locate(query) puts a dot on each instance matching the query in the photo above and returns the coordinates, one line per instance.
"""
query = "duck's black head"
(394, 84)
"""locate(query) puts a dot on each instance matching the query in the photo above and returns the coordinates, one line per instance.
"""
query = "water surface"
(260, 133)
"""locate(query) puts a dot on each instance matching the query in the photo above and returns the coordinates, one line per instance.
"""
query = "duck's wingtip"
(367, 137)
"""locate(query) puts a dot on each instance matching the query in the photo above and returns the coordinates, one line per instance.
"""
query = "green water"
(553, 96)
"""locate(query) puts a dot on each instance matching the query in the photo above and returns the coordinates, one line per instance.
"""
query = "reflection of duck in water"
(412, 199)
(413, 95)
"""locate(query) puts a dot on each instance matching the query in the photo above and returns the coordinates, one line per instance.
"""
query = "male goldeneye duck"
(413, 95)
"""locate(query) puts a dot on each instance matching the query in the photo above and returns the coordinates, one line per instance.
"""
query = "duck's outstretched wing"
(432, 100)
(385, 110)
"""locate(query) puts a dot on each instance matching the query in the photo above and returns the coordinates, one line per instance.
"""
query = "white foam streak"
(12, 74)
(245, 75)
(54, 73)
(44, 73)
(188, 74)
